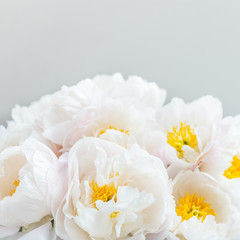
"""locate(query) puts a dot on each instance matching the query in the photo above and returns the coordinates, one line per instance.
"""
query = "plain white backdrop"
(189, 47)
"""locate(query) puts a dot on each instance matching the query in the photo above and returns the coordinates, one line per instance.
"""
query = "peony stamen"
(191, 205)
(234, 170)
(182, 136)
(104, 193)
(114, 214)
(102, 131)
(16, 183)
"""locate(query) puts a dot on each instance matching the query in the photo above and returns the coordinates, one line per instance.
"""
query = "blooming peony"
(113, 193)
(203, 209)
(24, 193)
(185, 135)
(83, 110)
(226, 168)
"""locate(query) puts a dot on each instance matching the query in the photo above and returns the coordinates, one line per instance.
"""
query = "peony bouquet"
(106, 160)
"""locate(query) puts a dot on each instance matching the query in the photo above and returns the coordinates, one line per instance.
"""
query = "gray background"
(189, 47)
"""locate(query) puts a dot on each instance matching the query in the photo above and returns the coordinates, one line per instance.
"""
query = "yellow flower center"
(234, 170)
(191, 205)
(182, 136)
(114, 214)
(114, 128)
(16, 183)
(104, 193)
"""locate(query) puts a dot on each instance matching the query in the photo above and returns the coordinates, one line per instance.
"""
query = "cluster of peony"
(106, 160)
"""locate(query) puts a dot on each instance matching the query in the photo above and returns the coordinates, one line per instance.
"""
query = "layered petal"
(113, 193)
(24, 194)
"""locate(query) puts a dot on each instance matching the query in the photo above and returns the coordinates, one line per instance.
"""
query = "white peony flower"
(186, 134)
(118, 114)
(112, 193)
(24, 193)
(203, 210)
(226, 168)
(107, 106)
